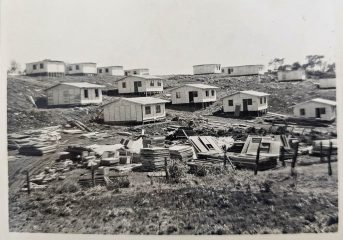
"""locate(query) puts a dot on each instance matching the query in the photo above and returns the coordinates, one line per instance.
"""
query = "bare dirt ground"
(222, 202)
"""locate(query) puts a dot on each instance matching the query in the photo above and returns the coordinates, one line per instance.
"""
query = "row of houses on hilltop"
(248, 70)
(53, 68)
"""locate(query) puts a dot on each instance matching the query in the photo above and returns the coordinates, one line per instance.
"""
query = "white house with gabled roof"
(136, 71)
(144, 84)
(246, 103)
(244, 70)
(82, 69)
(46, 67)
(319, 108)
(73, 94)
(111, 71)
(135, 110)
(194, 93)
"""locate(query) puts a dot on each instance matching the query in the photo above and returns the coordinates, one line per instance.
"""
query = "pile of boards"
(35, 142)
(154, 158)
(181, 152)
(155, 141)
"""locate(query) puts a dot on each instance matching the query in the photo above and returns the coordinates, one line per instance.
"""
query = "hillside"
(22, 115)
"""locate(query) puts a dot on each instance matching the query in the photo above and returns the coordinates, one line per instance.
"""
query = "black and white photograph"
(170, 117)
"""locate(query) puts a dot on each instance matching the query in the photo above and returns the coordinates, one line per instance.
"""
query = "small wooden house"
(322, 109)
(246, 103)
(82, 69)
(291, 75)
(144, 84)
(135, 110)
(206, 69)
(74, 94)
(194, 93)
(137, 71)
(245, 70)
(111, 71)
(47, 67)
(326, 83)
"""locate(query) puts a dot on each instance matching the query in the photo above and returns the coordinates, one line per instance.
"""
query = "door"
(317, 112)
(192, 95)
(135, 86)
(245, 105)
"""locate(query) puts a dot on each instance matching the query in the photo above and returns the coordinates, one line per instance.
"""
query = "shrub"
(177, 171)
(201, 171)
(67, 187)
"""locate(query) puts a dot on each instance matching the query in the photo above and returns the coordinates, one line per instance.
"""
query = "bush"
(119, 183)
(201, 171)
(67, 187)
(177, 171)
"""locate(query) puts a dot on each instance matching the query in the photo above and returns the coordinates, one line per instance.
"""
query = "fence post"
(329, 159)
(225, 156)
(166, 168)
(282, 156)
(257, 159)
(295, 156)
(28, 182)
(93, 177)
(321, 151)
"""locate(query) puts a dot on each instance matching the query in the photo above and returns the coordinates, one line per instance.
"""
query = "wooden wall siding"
(243, 70)
(206, 69)
(145, 85)
(125, 111)
(48, 67)
(291, 75)
(238, 100)
(69, 95)
(184, 95)
(310, 110)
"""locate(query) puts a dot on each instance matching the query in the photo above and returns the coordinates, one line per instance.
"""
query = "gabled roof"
(148, 77)
(47, 60)
(209, 64)
(82, 63)
(79, 85)
(257, 65)
(111, 67)
(196, 85)
(141, 100)
(319, 100)
(250, 92)
(135, 69)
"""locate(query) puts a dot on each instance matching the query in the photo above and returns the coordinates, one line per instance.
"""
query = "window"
(106, 70)
(230, 102)
(139, 84)
(77, 67)
(152, 83)
(322, 110)
(126, 73)
(265, 99)
(34, 67)
(249, 101)
(123, 84)
(213, 92)
(147, 110)
(41, 65)
(159, 83)
(207, 93)
(302, 111)
(261, 101)
(222, 70)
(96, 93)
(70, 68)
(100, 70)
(135, 72)
(158, 108)
(195, 94)
(85, 93)
(178, 95)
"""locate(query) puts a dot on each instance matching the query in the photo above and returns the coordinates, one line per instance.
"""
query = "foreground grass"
(221, 203)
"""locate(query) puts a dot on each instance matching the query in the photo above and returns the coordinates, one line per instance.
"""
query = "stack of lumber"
(181, 152)
(36, 142)
(80, 125)
(154, 141)
(153, 158)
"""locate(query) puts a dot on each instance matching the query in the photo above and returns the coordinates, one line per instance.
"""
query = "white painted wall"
(145, 85)
(138, 72)
(243, 70)
(55, 67)
(295, 75)
(310, 110)
(126, 111)
(327, 83)
(84, 68)
(238, 100)
(184, 95)
(207, 69)
(70, 95)
(112, 71)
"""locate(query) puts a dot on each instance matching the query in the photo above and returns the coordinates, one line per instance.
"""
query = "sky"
(168, 36)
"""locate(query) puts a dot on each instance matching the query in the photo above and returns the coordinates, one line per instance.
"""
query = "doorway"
(192, 95)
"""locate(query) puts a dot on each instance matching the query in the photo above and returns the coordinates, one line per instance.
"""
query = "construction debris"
(154, 158)
(153, 141)
(182, 152)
